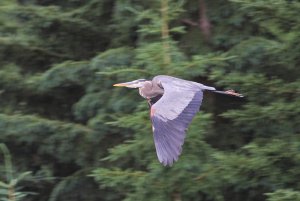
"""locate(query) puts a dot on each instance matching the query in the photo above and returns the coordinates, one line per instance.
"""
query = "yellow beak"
(120, 85)
(133, 84)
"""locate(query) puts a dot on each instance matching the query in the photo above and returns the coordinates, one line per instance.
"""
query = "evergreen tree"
(249, 152)
(62, 120)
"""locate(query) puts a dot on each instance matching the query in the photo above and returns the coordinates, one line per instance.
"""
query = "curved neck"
(150, 90)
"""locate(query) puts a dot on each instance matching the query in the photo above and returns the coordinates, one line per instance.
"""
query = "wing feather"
(174, 112)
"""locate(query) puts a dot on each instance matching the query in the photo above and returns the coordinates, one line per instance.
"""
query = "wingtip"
(168, 162)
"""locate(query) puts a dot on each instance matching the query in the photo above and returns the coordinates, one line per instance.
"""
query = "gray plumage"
(173, 104)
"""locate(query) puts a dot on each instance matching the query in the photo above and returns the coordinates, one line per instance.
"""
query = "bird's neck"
(150, 90)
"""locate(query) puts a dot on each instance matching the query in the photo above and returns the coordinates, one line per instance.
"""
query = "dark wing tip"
(169, 161)
(167, 150)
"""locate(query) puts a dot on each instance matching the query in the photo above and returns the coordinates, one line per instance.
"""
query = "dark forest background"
(67, 135)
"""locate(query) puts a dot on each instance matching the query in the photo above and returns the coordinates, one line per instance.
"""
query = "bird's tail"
(228, 92)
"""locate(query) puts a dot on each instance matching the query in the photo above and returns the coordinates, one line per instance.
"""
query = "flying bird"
(173, 104)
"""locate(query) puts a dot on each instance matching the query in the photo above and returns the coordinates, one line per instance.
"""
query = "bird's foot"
(233, 93)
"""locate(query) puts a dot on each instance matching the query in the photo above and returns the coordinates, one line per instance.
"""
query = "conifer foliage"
(67, 134)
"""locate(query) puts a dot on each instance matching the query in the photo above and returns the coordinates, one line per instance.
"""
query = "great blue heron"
(173, 103)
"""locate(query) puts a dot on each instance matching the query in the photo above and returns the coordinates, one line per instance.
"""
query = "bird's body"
(173, 104)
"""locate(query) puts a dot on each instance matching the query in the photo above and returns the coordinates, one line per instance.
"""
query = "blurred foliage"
(284, 195)
(9, 187)
(82, 139)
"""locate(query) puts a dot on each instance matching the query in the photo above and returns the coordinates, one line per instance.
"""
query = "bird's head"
(133, 84)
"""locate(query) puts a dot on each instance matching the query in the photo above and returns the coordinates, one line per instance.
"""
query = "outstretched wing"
(172, 114)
